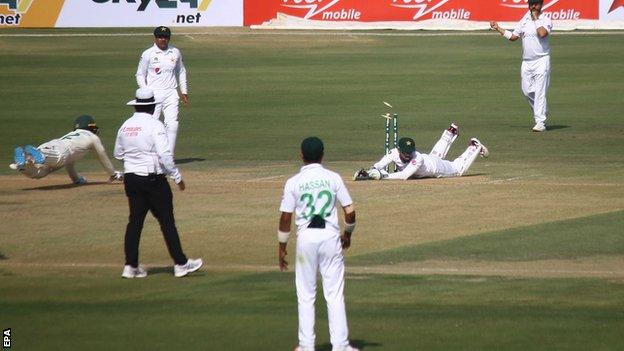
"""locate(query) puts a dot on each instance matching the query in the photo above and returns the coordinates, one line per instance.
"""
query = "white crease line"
(265, 178)
(350, 269)
(511, 179)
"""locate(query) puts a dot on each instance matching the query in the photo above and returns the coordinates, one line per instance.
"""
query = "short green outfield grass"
(556, 196)
(94, 309)
(598, 235)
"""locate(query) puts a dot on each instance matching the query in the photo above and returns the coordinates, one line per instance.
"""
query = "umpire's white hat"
(144, 96)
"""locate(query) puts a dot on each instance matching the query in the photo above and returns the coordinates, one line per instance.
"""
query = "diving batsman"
(38, 162)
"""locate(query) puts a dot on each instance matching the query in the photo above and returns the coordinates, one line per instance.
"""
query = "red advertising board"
(259, 11)
(616, 5)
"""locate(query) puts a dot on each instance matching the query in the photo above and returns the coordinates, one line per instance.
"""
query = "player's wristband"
(282, 237)
(507, 34)
(349, 227)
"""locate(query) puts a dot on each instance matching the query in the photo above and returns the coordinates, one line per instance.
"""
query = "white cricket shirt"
(142, 146)
(72, 147)
(158, 69)
(420, 165)
(314, 191)
(533, 46)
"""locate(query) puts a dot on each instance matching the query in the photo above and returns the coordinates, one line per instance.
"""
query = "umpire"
(142, 146)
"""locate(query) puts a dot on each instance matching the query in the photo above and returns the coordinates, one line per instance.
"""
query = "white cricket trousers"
(439, 168)
(535, 79)
(56, 155)
(441, 148)
(321, 250)
(465, 160)
(170, 101)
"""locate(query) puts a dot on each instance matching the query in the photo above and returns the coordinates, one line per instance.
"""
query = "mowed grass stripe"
(568, 239)
(258, 311)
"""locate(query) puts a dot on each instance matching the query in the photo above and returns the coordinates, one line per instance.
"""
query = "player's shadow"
(557, 126)
(3, 257)
(548, 128)
(64, 186)
(168, 270)
(474, 175)
(189, 160)
(359, 343)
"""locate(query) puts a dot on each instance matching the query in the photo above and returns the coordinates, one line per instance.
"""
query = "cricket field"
(525, 252)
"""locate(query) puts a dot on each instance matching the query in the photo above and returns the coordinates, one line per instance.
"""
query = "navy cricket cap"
(312, 149)
(407, 145)
(162, 31)
(535, 1)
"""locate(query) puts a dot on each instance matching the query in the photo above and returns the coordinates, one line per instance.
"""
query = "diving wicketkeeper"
(413, 164)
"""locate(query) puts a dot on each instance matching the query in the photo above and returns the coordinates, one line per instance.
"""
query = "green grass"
(271, 91)
(211, 311)
(571, 239)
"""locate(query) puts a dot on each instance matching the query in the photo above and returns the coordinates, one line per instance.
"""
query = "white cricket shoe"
(483, 151)
(539, 127)
(131, 272)
(301, 348)
(191, 265)
(13, 166)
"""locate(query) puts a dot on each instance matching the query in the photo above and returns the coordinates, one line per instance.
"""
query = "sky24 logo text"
(163, 4)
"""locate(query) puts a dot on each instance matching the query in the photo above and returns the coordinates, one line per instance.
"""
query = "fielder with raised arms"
(412, 164)
(534, 29)
(312, 196)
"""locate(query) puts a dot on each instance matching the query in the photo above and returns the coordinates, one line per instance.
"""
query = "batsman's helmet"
(407, 145)
(86, 122)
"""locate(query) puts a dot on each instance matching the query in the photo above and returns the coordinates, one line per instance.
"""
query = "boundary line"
(300, 33)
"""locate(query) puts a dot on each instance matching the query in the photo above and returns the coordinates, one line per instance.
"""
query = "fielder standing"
(161, 69)
(312, 195)
(142, 146)
(534, 29)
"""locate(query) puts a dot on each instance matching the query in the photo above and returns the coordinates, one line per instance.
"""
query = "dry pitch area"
(229, 217)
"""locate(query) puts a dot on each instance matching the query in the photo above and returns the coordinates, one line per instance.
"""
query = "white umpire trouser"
(169, 107)
(535, 79)
(321, 250)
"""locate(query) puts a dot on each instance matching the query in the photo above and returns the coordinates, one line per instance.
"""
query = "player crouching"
(38, 162)
(411, 164)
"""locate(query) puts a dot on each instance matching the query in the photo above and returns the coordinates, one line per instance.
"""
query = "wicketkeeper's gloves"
(361, 175)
